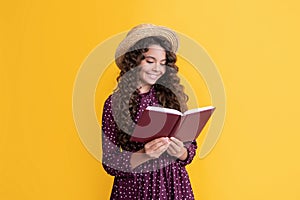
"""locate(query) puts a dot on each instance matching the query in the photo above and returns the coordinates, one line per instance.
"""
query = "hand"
(177, 149)
(156, 147)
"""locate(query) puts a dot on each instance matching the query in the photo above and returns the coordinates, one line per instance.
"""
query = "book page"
(164, 110)
(192, 124)
(195, 110)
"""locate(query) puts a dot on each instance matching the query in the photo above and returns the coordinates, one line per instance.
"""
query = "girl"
(148, 77)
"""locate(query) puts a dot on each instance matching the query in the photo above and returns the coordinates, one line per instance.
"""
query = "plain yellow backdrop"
(255, 45)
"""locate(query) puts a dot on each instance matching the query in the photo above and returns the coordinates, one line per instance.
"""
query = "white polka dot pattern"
(162, 178)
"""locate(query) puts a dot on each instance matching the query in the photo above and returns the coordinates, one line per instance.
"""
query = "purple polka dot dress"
(161, 178)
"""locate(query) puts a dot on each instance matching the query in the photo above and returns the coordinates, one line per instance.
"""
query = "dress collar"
(150, 92)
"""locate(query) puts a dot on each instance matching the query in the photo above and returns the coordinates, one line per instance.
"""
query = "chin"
(151, 82)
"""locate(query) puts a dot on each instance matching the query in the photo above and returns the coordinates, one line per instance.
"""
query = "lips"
(153, 76)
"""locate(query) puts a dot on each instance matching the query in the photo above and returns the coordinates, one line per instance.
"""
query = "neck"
(144, 88)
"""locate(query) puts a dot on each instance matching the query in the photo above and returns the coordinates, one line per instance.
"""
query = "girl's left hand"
(177, 149)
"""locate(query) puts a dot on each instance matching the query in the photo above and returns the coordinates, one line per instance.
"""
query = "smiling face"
(152, 67)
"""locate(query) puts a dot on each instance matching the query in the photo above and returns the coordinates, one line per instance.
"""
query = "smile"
(153, 76)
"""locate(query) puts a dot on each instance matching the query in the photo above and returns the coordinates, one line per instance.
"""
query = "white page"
(164, 110)
(198, 110)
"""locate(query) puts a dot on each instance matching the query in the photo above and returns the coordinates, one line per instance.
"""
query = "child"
(148, 76)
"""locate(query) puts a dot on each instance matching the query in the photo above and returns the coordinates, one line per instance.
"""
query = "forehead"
(156, 52)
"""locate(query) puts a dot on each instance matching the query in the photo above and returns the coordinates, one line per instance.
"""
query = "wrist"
(184, 154)
(139, 157)
(145, 155)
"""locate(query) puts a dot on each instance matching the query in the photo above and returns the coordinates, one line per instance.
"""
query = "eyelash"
(150, 62)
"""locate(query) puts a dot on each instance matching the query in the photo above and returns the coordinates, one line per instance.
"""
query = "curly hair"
(169, 91)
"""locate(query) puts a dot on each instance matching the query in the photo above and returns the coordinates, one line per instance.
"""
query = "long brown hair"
(168, 89)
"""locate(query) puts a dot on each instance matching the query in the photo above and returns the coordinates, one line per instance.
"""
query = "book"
(158, 122)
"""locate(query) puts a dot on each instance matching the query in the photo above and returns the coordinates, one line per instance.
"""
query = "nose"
(156, 67)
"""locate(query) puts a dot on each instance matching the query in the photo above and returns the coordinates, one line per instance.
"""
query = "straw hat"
(146, 30)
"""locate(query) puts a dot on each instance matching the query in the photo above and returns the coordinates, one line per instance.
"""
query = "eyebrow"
(155, 58)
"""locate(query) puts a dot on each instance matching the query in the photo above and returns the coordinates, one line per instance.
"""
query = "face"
(152, 67)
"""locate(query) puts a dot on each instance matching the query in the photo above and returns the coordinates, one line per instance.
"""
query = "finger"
(171, 150)
(158, 140)
(155, 147)
(176, 141)
(162, 148)
(175, 147)
(159, 151)
(159, 146)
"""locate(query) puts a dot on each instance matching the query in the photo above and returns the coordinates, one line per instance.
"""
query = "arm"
(122, 163)
(115, 162)
(151, 150)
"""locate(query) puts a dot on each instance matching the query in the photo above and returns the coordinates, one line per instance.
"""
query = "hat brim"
(144, 32)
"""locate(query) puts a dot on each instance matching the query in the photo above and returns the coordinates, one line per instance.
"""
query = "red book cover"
(158, 122)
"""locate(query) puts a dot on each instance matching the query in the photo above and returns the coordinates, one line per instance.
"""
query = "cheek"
(164, 69)
(141, 73)
(143, 63)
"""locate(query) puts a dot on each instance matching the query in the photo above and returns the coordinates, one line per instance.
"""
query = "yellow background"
(255, 45)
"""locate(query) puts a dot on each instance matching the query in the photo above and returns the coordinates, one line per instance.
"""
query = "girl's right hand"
(157, 147)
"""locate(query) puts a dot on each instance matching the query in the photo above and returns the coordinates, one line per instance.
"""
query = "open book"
(158, 122)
